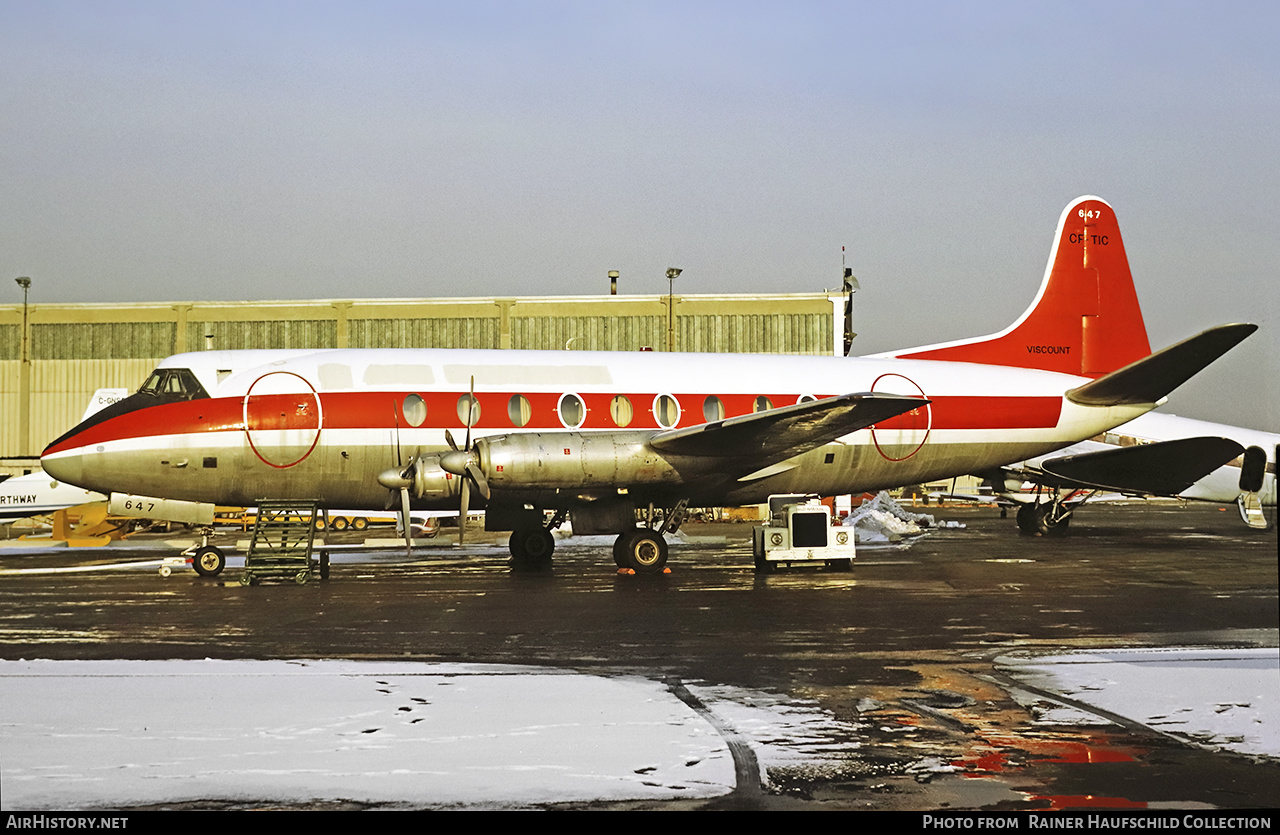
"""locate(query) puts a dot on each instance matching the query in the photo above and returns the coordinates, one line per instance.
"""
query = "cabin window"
(806, 398)
(712, 409)
(666, 410)
(762, 404)
(415, 410)
(468, 410)
(573, 413)
(518, 410)
(621, 411)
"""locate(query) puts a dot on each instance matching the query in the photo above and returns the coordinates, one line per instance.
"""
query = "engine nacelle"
(431, 482)
(573, 460)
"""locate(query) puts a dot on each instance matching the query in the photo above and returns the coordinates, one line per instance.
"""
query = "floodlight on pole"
(24, 375)
(672, 273)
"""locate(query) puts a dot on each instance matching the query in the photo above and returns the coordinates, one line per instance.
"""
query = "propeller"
(400, 479)
(464, 461)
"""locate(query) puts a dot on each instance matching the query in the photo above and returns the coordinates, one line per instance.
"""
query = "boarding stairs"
(283, 542)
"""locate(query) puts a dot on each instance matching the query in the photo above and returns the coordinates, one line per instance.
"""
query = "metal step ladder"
(282, 544)
(1251, 512)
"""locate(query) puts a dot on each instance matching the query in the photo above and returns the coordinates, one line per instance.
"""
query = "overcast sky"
(227, 150)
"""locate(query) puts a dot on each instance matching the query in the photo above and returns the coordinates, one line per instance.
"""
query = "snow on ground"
(84, 734)
(1222, 699)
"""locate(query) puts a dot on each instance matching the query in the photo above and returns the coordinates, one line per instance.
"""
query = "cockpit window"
(164, 386)
(173, 384)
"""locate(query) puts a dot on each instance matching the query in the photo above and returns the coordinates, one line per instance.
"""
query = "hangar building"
(52, 361)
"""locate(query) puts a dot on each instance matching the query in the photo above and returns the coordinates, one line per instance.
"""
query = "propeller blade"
(478, 477)
(464, 502)
(404, 520)
(396, 418)
(471, 412)
(448, 436)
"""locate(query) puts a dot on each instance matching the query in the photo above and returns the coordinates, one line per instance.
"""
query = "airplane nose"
(67, 467)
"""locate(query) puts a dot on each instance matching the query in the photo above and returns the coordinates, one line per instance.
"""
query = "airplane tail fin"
(1084, 321)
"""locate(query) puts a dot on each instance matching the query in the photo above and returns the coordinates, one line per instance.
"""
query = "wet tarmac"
(907, 655)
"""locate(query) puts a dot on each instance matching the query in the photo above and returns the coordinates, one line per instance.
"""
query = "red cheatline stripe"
(383, 410)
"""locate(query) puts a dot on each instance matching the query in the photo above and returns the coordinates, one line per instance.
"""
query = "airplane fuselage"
(322, 425)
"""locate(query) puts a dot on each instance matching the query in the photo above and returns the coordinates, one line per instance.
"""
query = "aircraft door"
(1253, 469)
(901, 437)
(282, 418)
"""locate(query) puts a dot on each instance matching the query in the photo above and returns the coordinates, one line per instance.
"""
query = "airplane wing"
(777, 434)
(1159, 469)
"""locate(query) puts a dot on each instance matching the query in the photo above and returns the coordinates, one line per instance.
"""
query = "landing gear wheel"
(1050, 522)
(531, 549)
(1026, 519)
(642, 550)
(208, 561)
(1043, 520)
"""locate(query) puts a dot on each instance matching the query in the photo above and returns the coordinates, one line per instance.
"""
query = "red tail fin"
(1086, 318)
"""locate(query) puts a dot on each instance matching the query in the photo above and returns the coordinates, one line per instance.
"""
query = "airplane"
(602, 437)
(1155, 454)
(35, 493)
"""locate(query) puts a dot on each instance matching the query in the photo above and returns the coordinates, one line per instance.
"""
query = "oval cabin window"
(620, 410)
(518, 410)
(415, 410)
(666, 410)
(468, 410)
(573, 413)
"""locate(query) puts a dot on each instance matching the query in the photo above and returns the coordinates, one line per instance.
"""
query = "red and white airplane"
(598, 436)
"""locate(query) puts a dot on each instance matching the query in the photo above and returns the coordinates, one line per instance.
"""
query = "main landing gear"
(531, 546)
(642, 550)
(531, 549)
(1052, 517)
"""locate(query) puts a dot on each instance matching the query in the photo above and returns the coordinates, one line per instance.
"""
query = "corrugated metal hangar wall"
(75, 349)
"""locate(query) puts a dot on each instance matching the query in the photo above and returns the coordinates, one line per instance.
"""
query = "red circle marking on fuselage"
(285, 415)
(905, 422)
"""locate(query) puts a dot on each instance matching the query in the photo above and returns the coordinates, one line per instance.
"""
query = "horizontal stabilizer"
(1160, 469)
(777, 434)
(1152, 378)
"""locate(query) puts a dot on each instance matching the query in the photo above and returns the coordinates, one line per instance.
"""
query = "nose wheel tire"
(209, 561)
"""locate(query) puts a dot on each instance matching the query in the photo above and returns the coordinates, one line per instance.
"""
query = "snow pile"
(88, 734)
(885, 520)
(1220, 699)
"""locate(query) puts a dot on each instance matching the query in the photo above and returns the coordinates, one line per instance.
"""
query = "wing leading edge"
(767, 437)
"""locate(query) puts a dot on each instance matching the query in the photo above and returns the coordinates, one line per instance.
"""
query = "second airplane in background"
(538, 437)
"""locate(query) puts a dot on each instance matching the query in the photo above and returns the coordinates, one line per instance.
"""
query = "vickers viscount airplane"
(597, 437)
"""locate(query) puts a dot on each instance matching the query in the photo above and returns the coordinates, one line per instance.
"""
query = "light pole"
(24, 377)
(672, 272)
